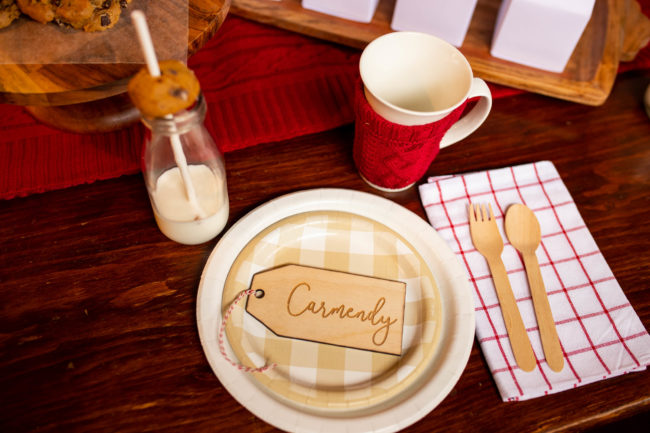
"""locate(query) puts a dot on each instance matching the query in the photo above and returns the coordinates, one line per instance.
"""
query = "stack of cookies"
(86, 15)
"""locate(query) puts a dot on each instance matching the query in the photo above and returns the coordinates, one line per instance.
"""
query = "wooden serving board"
(60, 84)
(587, 79)
(92, 97)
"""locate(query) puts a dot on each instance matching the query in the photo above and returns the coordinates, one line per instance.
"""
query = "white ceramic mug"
(413, 78)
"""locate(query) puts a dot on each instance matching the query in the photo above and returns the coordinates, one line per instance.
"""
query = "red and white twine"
(222, 328)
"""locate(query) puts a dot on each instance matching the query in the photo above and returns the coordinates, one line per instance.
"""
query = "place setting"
(505, 253)
(333, 384)
(350, 295)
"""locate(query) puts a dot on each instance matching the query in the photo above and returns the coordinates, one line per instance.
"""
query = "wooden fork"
(488, 242)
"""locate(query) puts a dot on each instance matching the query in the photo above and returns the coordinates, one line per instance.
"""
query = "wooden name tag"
(330, 307)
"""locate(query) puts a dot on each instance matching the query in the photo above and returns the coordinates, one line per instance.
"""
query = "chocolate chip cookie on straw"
(142, 30)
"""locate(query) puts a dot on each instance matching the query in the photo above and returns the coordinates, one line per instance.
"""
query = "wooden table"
(97, 307)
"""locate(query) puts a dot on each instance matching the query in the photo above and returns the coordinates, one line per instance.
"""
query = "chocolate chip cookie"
(89, 15)
(8, 12)
(176, 89)
(39, 10)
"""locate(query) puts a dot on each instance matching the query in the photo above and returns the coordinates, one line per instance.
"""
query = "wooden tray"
(587, 79)
(91, 97)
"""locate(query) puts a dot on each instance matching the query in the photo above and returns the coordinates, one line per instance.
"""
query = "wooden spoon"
(522, 229)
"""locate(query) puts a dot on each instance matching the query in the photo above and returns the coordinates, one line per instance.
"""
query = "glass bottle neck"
(180, 122)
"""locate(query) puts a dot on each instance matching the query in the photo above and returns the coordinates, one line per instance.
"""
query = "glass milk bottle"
(185, 177)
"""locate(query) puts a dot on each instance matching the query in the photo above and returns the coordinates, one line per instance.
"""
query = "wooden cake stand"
(92, 97)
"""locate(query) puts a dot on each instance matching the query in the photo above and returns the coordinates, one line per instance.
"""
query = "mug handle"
(474, 118)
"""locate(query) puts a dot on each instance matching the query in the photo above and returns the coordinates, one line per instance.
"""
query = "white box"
(540, 33)
(448, 20)
(354, 10)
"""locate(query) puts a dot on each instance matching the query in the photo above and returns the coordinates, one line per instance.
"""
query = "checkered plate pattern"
(600, 333)
(324, 376)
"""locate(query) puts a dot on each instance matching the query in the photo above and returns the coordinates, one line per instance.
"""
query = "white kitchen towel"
(600, 333)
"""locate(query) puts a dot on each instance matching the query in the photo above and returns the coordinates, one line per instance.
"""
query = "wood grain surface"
(489, 242)
(327, 306)
(587, 79)
(63, 84)
(97, 308)
(637, 31)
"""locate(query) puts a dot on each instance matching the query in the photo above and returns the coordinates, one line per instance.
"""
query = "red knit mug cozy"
(393, 156)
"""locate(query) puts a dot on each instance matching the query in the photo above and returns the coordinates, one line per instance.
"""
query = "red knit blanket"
(262, 84)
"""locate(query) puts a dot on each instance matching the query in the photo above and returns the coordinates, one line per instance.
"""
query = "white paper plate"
(457, 333)
(322, 377)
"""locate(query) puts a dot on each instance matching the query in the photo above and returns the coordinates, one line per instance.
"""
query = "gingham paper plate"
(318, 387)
(322, 376)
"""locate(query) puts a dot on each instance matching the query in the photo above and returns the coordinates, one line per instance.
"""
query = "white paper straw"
(142, 30)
